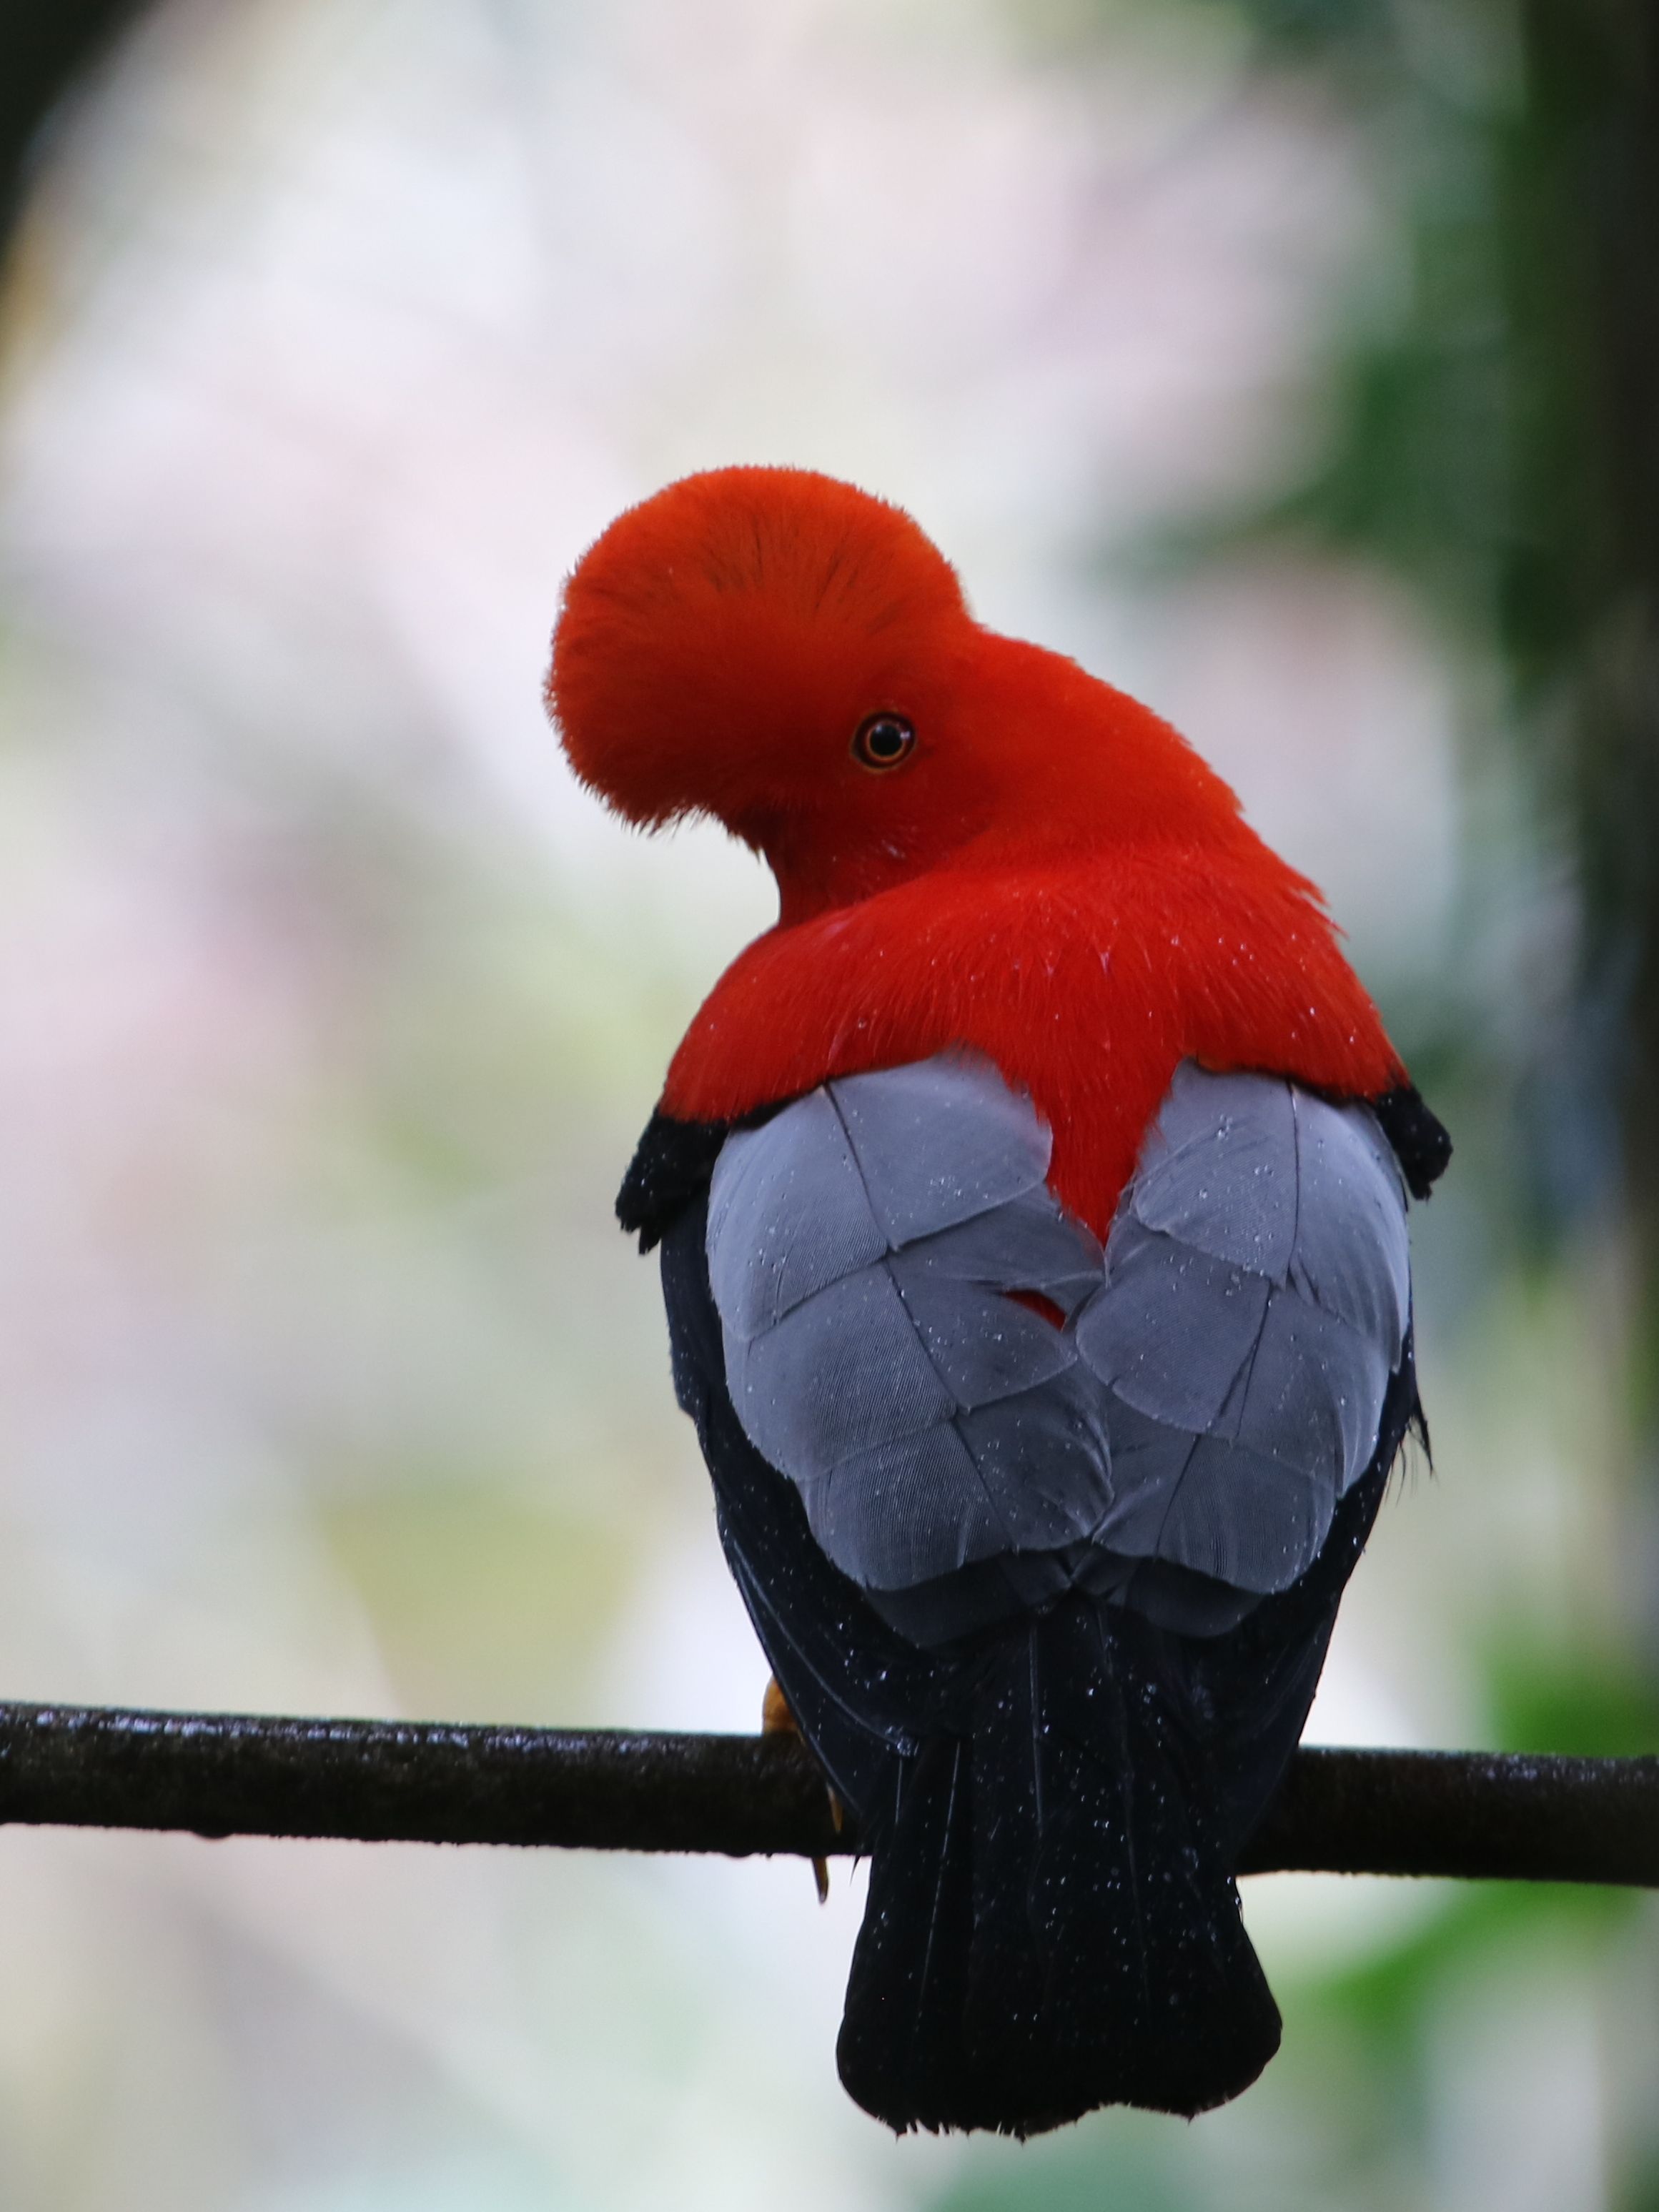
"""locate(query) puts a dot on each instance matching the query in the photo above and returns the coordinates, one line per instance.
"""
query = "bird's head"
(795, 657)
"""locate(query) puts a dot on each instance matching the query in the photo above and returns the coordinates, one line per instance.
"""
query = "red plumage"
(1053, 876)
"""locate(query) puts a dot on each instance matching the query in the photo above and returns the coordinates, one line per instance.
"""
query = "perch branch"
(1480, 1815)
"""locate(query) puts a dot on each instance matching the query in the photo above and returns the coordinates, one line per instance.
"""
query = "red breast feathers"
(976, 842)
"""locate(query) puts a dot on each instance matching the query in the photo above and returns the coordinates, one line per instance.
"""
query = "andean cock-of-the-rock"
(1032, 1202)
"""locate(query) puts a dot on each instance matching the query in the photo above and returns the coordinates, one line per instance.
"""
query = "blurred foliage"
(1599, 1707)
(485, 1606)
(1109, 2164)
(42, 50)
(1493, 436)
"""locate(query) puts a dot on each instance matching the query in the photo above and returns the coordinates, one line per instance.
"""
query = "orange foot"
(776, 1719)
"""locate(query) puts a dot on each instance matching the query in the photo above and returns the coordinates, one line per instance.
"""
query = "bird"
(1031, 1206)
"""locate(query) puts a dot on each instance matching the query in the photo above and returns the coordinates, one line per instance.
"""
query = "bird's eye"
(884, 741)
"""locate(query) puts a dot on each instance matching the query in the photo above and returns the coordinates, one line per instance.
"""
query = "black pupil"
(886, 739)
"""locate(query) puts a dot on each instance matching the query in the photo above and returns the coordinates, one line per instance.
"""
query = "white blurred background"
(330, 1010)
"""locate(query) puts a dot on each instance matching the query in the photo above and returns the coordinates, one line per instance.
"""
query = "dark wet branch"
(1478, 1815)
(1482, 1816)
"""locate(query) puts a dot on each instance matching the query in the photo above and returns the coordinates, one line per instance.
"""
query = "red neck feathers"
(1086, 984)
(1047, 873)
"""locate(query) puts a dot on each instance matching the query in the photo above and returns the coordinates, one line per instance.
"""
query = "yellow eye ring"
(884, 741)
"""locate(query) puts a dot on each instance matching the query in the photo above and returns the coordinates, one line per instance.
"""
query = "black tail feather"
(901, 2050)
(1053, 1924)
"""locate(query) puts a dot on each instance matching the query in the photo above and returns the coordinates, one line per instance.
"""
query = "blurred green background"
(1295, 364)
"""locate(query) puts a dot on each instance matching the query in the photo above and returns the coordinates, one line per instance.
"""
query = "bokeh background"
(1293, 365)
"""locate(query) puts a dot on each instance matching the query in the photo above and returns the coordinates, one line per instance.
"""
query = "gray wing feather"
(785, 1220)
(1138, 1336)
(1314, 1394)
(1254, 1523)
(1201, 1503)
(1255, 1305)
(928, 1420)
(1045, 1454)
(941, 1141)
(905, 1513)
(1217, 1170)
(982, 1345)
(1026, 1241)
(1179, 1446)
(1353, 1256)
(845, 1371)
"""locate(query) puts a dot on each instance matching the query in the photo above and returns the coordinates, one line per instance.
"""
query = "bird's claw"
(776, 1719)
